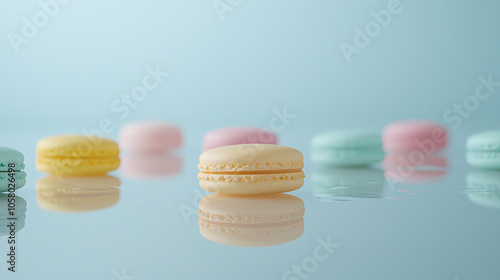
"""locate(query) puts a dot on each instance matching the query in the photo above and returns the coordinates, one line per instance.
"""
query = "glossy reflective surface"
(358, 223)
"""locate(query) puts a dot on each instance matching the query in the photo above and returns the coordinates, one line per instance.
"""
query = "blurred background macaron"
(251, 221)
(77, 155)
(340, 184)
(11, 159)
(236, 135)
(19, 213)
(348, 147)
(483, 149)
(77, 194)
(150, 137)
(410, 135)
(483, 188)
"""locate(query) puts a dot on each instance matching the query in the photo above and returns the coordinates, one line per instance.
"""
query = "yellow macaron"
(250, 169)
(77, 155)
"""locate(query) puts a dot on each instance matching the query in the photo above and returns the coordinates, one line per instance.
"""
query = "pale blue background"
(265, 55)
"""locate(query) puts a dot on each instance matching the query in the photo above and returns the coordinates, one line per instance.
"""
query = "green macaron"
(483, 149)
(11, 169)
(346, 148)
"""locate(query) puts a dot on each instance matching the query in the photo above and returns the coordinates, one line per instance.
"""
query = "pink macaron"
(150, 137)
(238, 135)
(414, 135)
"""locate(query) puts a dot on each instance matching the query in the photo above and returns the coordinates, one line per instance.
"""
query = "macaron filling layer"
(251, 177)
(264, 172)
(18, 166)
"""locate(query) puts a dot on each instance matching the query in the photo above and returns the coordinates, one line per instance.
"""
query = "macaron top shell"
(150, 136)
(251, 157)
(8, 155)
(77, 146)
(484, 141)
(344, 139)
(403, 134)
(238, 135)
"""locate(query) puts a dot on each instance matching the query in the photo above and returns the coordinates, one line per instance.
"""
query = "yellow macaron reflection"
(77, 194)
(251, 221)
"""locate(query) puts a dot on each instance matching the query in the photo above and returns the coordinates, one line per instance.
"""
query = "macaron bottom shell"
(19, 180)
(483, 159)
(347, 158)
(261, 184)
(77, 167)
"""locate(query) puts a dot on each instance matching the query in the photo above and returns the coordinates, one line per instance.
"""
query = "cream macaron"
(251, 169)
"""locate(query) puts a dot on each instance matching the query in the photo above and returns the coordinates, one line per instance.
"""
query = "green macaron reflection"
(344, 183)
(19, 205)
(484, 188)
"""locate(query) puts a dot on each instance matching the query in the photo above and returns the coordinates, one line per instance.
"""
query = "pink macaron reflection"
(406, 136)
(150, 137)
(414, 168)
(141, 166)
(238, 135)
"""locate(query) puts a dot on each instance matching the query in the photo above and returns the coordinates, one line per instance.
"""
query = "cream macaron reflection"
(251, 221)
(77, 194)
(343, 183)
(147, 165)
(5, 213)
(483, 188)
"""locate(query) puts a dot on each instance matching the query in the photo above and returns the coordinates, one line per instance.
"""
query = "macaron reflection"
(19, 213)
(251, 221)
(342, 183)
(414, 167)
(144, 165)
(77, 194)
(484, 188)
